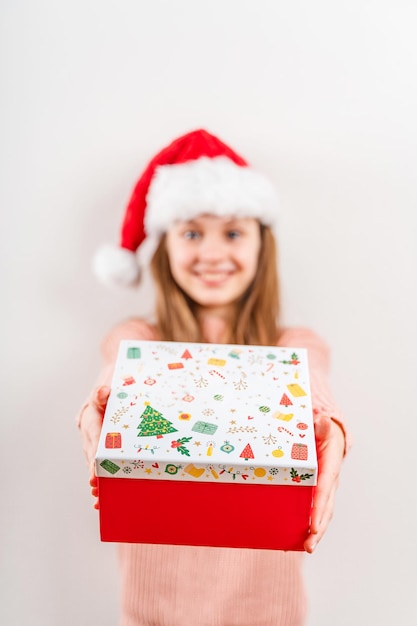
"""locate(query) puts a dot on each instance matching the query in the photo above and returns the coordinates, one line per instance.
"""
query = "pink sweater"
(197, 586)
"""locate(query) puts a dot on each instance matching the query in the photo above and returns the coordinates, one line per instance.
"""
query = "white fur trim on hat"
(116, 266)
(207, 185)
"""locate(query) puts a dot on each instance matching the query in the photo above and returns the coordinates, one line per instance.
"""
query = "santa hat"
(197, 173)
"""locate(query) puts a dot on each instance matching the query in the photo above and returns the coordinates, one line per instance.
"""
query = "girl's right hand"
(89, 422)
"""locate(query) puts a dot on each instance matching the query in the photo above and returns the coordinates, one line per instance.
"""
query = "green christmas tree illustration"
(153, 423)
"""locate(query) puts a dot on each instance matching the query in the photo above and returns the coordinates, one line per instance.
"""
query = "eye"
(191, 234)
(233, 234)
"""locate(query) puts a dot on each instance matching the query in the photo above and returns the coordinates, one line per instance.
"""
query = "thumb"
(102, 396)
(322, 428)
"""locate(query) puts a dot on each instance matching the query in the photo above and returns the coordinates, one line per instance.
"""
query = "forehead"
(208, 220)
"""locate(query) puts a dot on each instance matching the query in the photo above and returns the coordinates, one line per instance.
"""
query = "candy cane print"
(212, 372)
(269, 367)
(281, 428)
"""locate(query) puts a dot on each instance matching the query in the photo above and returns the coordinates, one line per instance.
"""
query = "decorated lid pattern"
(208, 412)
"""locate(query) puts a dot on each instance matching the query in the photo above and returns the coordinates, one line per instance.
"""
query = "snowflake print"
(240, 385)
(201, 382)
(255, 359)
(269, 439)
(208, 412)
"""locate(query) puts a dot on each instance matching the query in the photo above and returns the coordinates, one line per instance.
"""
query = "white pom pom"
(116, 266)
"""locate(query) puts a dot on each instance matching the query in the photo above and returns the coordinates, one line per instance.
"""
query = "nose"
(212, 248)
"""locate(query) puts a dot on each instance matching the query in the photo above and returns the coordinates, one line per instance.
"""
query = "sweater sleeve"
(134, 328)
(318, 352)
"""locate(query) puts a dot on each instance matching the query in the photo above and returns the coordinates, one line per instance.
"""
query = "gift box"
(209, 445)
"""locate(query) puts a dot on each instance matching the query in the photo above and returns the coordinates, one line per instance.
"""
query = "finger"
(329, 469)
(322, 497)
(89, 448)
(102, 396)
(318, 529)
(326, 512)
(322, 428)
(91, 430)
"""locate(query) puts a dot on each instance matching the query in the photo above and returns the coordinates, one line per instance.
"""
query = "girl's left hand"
(330, 441)
(89, 422)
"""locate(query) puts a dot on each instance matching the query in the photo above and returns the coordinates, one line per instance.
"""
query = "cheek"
(171, 250)
(250, 262)
(178, 261)
(252, 270)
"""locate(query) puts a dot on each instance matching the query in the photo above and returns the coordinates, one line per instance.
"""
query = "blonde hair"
(256, 319)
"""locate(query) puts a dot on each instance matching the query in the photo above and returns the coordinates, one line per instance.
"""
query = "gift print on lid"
(247, 406)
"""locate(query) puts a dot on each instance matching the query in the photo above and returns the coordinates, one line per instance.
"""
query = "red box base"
(204, 513)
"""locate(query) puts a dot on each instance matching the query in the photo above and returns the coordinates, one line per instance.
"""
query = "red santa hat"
(197, 173)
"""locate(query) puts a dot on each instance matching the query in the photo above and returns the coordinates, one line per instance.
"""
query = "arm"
(91, 415)
(332, 439)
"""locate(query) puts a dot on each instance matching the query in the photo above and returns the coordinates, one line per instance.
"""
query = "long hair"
(256, 317)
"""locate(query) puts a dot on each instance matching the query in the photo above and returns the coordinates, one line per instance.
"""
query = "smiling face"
(214, 259)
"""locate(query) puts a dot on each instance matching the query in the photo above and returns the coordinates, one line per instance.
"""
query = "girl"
(207, 218)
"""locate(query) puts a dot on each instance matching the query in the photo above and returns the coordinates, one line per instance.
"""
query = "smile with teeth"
(213, 276)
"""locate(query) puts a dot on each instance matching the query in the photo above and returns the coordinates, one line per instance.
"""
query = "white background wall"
(322, 97)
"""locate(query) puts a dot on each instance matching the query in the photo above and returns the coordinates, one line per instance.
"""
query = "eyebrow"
(233, 220)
